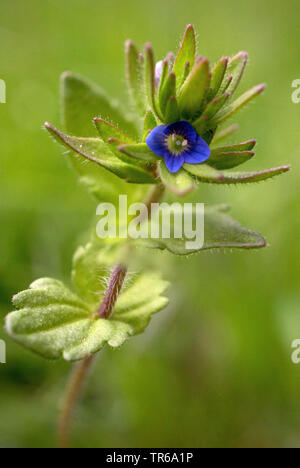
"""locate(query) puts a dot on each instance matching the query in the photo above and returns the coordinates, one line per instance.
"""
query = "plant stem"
(72, 395)
(114, 287)
(80, 370)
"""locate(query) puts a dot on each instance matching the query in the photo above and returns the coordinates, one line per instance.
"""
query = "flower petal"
(198, 153)
(184, 129)
(156, 140)
(174, 163)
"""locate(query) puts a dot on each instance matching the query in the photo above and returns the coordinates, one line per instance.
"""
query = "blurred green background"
(214, 369)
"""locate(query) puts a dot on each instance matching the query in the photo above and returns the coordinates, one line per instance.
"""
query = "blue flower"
(178, 143)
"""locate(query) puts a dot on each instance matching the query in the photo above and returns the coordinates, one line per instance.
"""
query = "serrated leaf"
(82, 100)
(240, 102)
(193, 91)
(134, 75)
(205, 173)
(92, 264)
(53, 322)
(44, 325)
(185, 54)
(96, 151)
(107, 130)
(143, 298)
(100, 332)
(220, 231)
(180, 182)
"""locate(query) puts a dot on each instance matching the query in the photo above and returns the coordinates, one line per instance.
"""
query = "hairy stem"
(72, 395)
(105, 310)
(114, 287)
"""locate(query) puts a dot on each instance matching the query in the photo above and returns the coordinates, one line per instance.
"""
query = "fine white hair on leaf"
(129, 279)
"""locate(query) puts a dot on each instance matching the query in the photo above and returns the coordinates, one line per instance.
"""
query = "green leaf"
(240, 102)
(100, 332)
(107, 130)
(205, 173)
(229, 159)
(236, 68)
(163, 76)
(139, 151)
(149, 71)
(217, 76)
(134, 75)
(226, 157)
(194, 89)
(92, 264)
(244, 146)
(220, 231)
(219, 136)
(186, 53)
(143, 298)
(186, 72)
(180, 182)
(82, 100)
(172, 111)
(96, 151)
(203, 122)
(149, 122)
(168, 90)
(53, 322)
(225, 85)
(47, 322)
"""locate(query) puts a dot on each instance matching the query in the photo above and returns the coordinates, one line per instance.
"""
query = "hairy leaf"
(203, 122)
(217, 76)
(180, 182)
(240, 102)
(168, 90)
(149, 71)
(107, 130)
(220, 231)
(134, 75)
(172, 113)
(244, 146)
(53, 322)
(96, 151)
(236, 68)
(222, 134)
(229, 159)
(186, 53)
(205, 173)
(82, 100)
(139, 151)
(194, 89)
